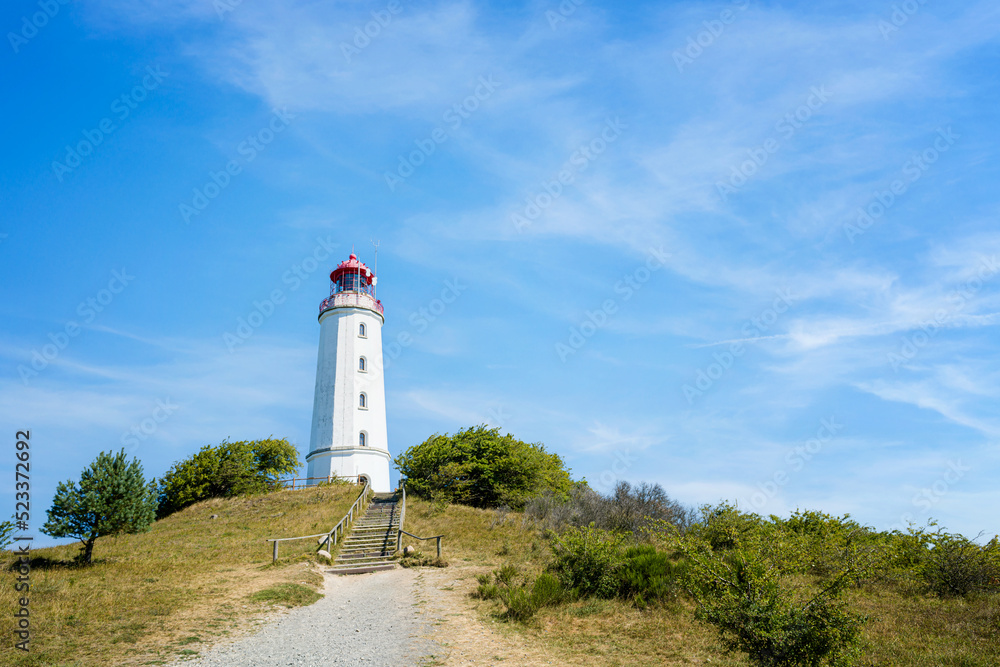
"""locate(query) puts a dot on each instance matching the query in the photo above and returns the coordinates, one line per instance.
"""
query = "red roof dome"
(352, 265)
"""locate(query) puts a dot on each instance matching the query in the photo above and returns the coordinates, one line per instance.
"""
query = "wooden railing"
(360, 503)
(290, 482)
(402, 517)
(399, 540)
(402, 507)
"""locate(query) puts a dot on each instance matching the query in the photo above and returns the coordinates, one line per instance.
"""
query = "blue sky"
(746, 250)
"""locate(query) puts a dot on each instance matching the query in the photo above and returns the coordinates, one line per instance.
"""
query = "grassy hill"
(906, 627)
(151, 597)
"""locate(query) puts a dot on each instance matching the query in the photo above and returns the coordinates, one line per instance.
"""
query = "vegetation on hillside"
(781, 591)
(648, 612)
(113, 497)
(481, 468)
(227, 470)
(151, 597)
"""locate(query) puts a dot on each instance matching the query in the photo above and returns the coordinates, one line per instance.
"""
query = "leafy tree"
(112, 497)
(228, 469)
(479, 467)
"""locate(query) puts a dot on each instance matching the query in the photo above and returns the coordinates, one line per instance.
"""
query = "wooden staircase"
(371, 545)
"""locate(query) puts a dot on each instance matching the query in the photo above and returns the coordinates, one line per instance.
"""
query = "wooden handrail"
(355, 479)
(402, 510)
(399, 540)
(332, 533)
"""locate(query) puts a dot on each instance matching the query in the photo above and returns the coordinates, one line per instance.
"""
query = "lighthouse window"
(363, 402)
(362, 330)
(362, 365)
(363, 439)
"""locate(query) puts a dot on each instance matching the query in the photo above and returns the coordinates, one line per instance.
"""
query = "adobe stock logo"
(37, 21)
(755, 327)
(714, 28)
(595, 320)
(87, 310)
(248, 150)
(796, 459)
(147, 427)
(372, 29)
(454, 116)
(122, 107)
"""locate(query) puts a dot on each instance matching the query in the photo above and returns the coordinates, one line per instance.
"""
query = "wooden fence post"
(274, 554)
(439, 547)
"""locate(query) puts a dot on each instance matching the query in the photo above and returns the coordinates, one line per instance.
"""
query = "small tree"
(479, 467)
(112, 497)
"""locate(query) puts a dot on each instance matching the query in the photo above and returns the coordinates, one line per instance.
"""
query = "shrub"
(647, 576)
(724, 527)
(481, 468)
(587, 561)
(113, 497)
(957, 566)
(487, 589)
(229, 469)
(520, 600)
(547, 590)
(739, 593)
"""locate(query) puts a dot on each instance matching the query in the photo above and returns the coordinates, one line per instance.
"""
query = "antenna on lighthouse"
(375, 265)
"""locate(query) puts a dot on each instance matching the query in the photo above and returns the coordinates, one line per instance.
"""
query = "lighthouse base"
(351, 462)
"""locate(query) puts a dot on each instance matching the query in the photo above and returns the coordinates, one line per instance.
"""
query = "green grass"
(289, 595)
(149, 596)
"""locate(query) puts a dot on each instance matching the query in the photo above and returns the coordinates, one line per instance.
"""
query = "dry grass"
(905, 628)
(149, 598)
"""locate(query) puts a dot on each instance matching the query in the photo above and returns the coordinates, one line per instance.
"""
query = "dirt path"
(442, 595)
(368, 619)
(420, 616)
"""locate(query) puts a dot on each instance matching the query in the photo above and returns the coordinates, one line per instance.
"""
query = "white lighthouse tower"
(349, 436)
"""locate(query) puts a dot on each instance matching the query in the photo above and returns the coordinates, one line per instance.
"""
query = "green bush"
(547, 590)
(481, 468)
(520, 600)
(647, 576)
(725, 527)
(229, 469)
(487, 589)
(957, 566)
(741, 593)
(587, 561)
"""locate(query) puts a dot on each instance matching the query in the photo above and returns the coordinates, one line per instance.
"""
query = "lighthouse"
(349, 436)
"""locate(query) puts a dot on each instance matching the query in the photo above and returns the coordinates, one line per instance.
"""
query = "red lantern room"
(356, 283)
(352, 276)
